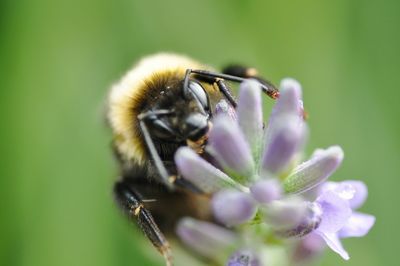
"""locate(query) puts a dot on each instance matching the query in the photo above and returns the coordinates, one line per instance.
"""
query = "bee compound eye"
(196, 126)
(199, 93)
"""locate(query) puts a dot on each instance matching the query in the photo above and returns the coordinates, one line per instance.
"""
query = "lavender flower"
(260, 190)
(338, 200)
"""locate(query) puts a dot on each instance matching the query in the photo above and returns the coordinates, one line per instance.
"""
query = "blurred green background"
(58, 59)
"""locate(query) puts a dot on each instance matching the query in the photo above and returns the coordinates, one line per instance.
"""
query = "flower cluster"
(266, 203)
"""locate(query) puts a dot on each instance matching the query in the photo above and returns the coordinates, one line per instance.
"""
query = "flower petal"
(230, 149)
(287, 139)
(345, 191)
(354, 191)
(205, 238)
(314, 171)
(249, 111)
(334, 243)
(360, 195)
(335, 212)
(224, 108)
(358, 225)
(232, 207)
(266, 191)
(201, 173)
(244, 257)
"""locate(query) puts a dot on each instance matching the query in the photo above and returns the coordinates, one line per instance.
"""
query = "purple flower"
(238, 144)
(259, 187)
(339, 220)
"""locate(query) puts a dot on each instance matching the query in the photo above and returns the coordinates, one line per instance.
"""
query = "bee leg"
(223, 87)
(266, 86)
(131, 203)
(213, 77)
(245, 72)
(164, 175)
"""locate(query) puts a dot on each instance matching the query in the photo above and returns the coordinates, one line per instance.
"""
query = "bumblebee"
(164, 102)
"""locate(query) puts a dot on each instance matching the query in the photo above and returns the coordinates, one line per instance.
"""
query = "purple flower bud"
(202, 174)
(286, 140)
(205, 238)
(291, 89)
(314, 171)
(310, 220)
(289, 101)
(230, 148)
(266, 191)
(232, 207)
(308, 249)
(285, 214)
(249, 112)
(244, 257)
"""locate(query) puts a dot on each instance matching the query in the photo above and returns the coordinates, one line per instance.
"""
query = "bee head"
(182, 113)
